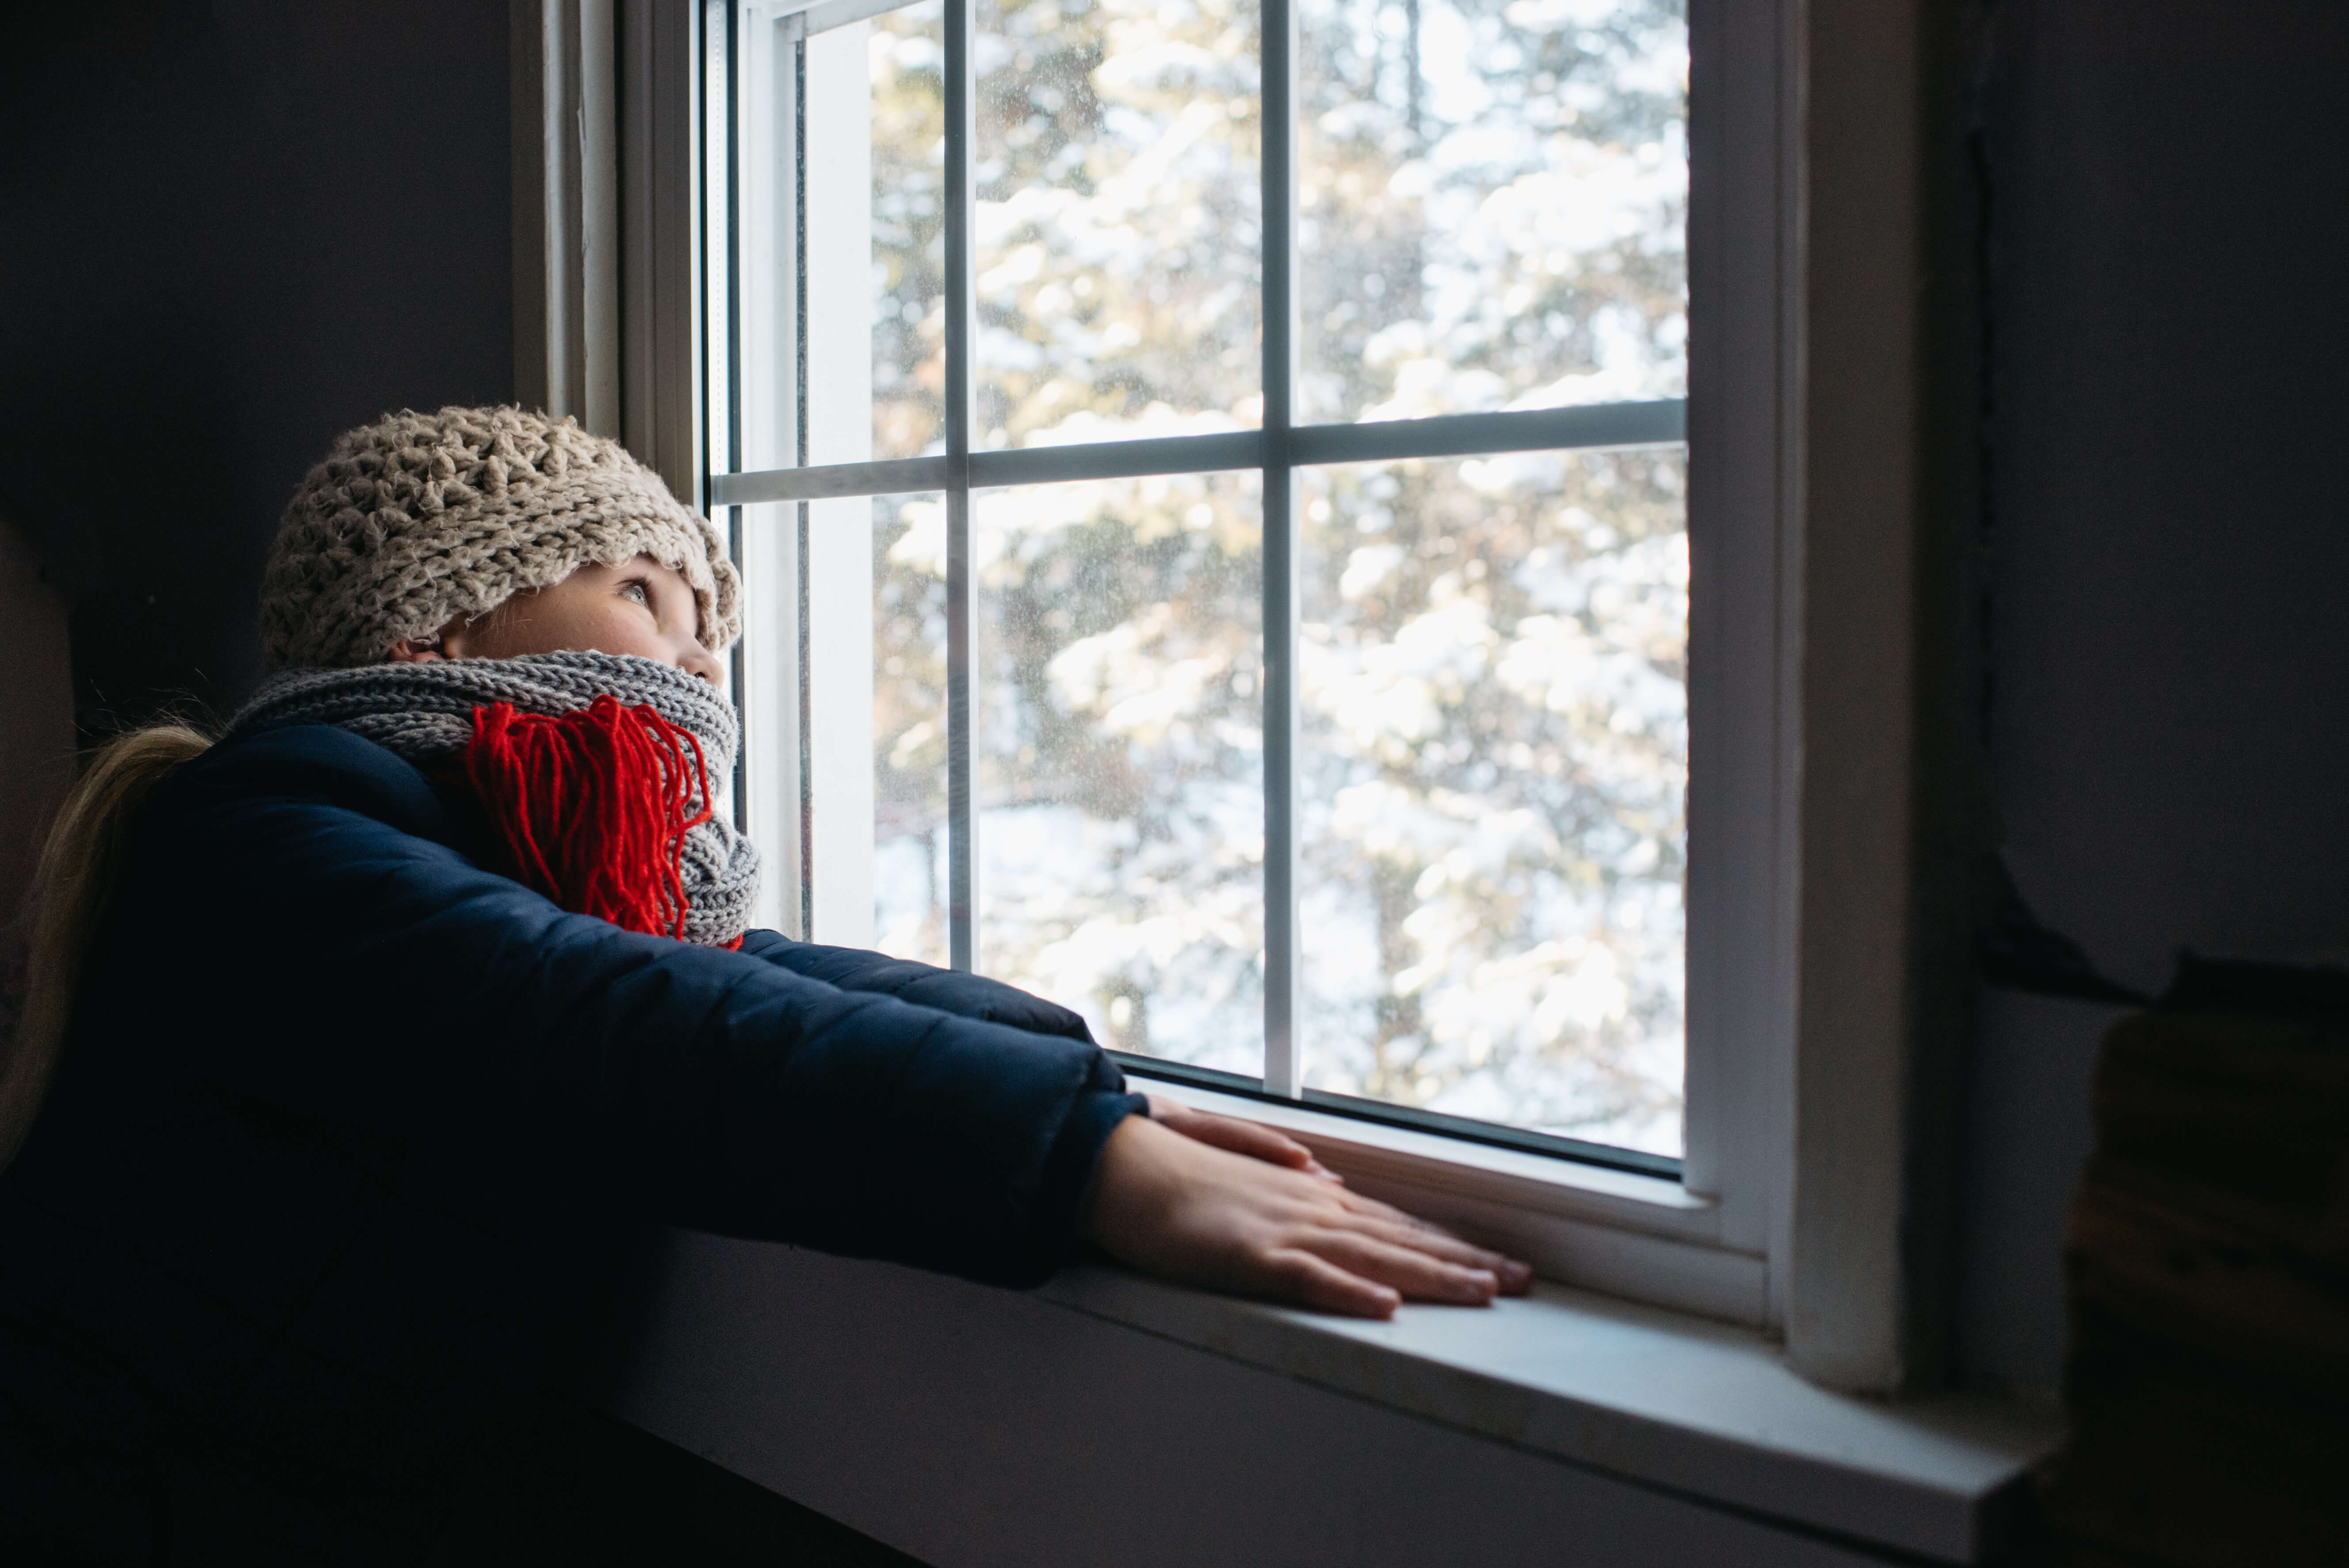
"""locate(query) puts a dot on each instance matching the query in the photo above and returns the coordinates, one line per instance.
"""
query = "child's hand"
(1248, 1137)
(1202, 1215)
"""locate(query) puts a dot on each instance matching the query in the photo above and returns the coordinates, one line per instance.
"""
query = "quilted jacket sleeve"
(967, 995)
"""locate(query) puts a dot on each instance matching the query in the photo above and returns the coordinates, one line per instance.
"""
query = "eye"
(636, 593)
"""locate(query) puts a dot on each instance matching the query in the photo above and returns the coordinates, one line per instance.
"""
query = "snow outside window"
(1224, 508)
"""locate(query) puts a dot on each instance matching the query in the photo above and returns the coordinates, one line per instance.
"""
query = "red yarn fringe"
(593, 806)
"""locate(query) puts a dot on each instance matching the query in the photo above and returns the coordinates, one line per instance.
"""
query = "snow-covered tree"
(1492, 208)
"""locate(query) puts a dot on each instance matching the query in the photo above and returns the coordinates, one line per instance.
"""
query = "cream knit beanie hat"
(419, 518)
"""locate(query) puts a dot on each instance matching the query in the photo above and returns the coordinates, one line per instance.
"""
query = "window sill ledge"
(1707, 1409)
(930, 1412)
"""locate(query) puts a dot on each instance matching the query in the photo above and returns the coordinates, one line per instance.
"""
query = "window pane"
(874, 240)
(909, 727)
(1493, 198)
(1120, 759)
(875, 696)
(766, 683)
(1118, 229)
(1495, 767)
(907, 56)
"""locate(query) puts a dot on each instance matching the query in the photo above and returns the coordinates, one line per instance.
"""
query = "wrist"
(1073, 1168)
(1127, 1183)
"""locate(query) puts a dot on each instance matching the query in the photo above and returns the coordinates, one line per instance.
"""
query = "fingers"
(1251, 1139)
(1408, 1230)
(1510, 1276)
(1373, 1208)
(1384, 1220)
(1324, 1287)
(1248, 1137)
(1178, 1206)
(1417, 1274)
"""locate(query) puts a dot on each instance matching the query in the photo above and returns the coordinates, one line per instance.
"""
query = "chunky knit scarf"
(595, 769)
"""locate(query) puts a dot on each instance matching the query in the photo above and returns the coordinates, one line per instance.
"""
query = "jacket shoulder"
(310, 764)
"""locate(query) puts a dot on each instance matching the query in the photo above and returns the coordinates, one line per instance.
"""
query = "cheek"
(557, 623)
(617, 627)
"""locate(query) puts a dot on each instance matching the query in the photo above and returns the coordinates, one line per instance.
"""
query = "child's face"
(642, 608)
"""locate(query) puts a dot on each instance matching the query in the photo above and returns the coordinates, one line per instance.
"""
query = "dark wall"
(2169, 547)
(228, 231)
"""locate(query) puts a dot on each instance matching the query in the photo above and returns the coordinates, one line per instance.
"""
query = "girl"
(358, 1040)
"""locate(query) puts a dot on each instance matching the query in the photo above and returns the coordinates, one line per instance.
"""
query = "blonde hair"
(74, 887)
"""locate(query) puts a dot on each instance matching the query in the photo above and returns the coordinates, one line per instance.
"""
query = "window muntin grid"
(960, 460)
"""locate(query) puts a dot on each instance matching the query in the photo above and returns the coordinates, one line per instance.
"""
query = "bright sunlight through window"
(1234, 499)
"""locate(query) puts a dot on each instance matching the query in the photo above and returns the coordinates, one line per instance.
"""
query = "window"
(1827, 942)
(1227, 461)
(1828, 945)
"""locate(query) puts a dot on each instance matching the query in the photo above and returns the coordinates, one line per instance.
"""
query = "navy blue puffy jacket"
(347, 1124)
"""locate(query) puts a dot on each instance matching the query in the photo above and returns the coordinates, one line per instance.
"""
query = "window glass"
(905, 54)
(873, 256)
(909, 727)
(1492, 203)
(1491, 692)
(1494, 783)
(1118, 237)
(1118, 776)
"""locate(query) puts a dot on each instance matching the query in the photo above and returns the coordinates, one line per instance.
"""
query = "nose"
(701, 664)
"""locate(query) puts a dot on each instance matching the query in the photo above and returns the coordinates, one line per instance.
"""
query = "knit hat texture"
(420, 518)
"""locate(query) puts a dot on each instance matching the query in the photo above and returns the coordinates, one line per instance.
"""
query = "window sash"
(782, 569)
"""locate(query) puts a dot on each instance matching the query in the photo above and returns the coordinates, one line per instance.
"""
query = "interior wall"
(36, 726)
(2168, 549)
(230, 231)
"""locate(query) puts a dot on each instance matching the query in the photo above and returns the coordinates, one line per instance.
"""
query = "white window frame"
(1797, 1205)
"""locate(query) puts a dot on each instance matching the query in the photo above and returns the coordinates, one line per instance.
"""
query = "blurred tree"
(1493, 204)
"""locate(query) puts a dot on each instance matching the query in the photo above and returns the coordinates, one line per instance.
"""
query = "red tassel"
(591, 806)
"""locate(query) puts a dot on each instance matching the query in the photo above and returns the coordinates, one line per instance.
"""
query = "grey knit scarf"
(423, 713)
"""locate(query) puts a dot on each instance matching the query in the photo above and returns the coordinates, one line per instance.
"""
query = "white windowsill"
(1619, 1232)
(1694, 1404)
(1703, 1409)
(973, 1425)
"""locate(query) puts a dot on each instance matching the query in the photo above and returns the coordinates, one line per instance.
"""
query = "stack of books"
(2209, 1268)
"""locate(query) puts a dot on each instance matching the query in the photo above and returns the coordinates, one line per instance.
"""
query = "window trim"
(1436, 1123)
(1606, 426)
(1816, 258)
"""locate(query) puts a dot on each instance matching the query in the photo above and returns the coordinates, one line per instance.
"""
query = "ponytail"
(74, 886)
